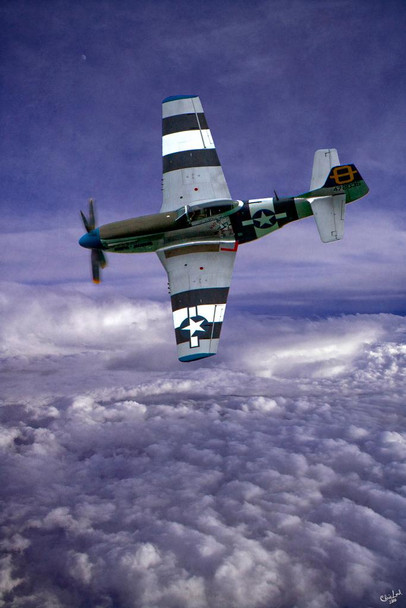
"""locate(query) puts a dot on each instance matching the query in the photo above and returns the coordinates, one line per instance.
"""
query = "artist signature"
(392, 598)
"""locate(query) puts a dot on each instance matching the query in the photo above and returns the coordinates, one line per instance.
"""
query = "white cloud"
(272, 476)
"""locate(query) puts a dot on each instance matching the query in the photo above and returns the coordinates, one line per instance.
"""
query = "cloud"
(272, 476)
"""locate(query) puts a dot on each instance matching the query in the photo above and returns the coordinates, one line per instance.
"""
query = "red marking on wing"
(228, 249)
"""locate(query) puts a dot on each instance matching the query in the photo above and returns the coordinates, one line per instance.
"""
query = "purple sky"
(274, 474)
(81, 116)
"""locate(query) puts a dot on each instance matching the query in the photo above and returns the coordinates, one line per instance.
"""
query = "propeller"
(98, 259)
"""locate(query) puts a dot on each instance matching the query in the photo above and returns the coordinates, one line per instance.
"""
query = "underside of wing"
(199, 277)
(191, 167)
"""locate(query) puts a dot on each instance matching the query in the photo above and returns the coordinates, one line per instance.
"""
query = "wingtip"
(188, 358)
(176, 97)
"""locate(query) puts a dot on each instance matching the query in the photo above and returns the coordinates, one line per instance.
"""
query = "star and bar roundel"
(194, 327)
(198, 315)
(264, 218)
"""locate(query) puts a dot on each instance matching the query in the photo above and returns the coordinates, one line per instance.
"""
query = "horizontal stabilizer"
(328, 213)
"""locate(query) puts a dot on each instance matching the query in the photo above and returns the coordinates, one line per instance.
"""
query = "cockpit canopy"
(205, 211)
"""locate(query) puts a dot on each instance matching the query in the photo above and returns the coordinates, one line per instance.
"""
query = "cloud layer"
(274, 476)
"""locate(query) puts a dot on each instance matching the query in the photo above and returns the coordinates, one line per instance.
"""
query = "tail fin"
(330, 178)
(328, 197)
(323, 162)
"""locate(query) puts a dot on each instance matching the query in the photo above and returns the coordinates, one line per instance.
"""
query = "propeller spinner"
(98, 259)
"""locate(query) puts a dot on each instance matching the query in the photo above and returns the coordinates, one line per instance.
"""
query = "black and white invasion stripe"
(186, 137)
(201, 309)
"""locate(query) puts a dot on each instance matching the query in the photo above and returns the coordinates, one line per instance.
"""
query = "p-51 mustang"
(199, 228)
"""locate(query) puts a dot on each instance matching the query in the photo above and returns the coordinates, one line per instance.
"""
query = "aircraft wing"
(199, 277)
(199, 272)
(191, 167)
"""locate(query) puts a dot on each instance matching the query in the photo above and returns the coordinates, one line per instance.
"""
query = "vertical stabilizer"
(324, 160)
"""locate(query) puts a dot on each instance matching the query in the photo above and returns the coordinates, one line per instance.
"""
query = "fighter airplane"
(199, 228)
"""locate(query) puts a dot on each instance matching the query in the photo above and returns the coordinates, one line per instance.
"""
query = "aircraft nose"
(91, 240)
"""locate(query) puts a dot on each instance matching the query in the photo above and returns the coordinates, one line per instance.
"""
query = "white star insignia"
(264, 219)
(195, 326)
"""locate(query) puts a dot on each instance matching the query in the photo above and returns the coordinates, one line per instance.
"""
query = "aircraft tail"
(328, 196)
(323, 162)
(331, 178)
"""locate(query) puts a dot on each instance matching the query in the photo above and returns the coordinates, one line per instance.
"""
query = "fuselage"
(224, 220)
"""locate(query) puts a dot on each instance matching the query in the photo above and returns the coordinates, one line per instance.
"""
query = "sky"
(272, 475)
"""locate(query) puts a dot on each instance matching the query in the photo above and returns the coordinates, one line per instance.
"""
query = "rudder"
(323, 161)
(329, 178)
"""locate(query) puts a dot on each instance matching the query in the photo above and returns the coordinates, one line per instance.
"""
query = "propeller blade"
(95, 266)
(92, 219)
(97, 258)
(90, 222)
(85, 222)
(101, 258)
